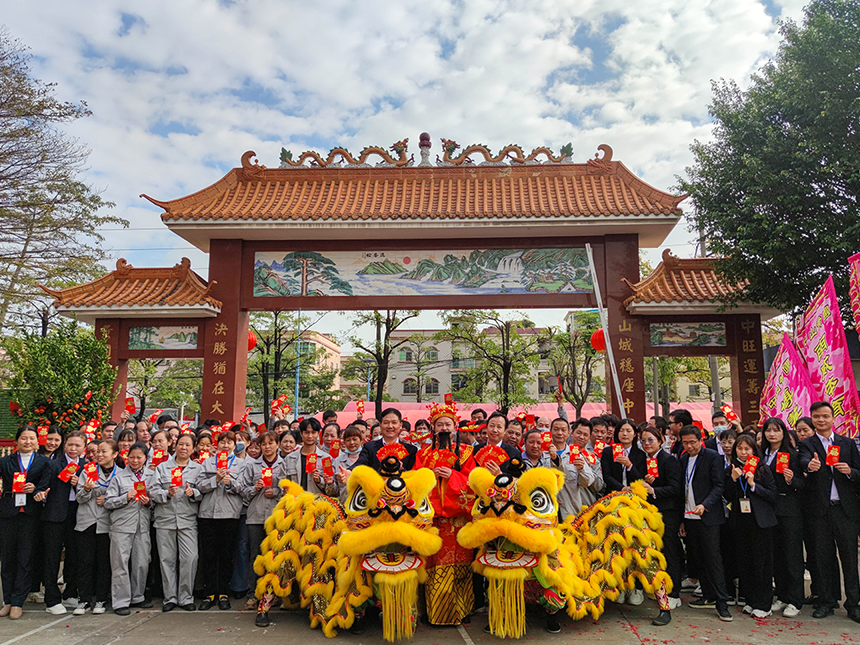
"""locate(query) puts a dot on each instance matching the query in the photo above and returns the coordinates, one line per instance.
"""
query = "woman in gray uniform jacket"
(219, 519)
(92, 527)
(261, 496)
(176, 523)
(130, 506)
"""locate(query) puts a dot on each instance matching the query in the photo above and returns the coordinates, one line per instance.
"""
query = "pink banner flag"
(854, 288)
(788, 392)
(822, 344)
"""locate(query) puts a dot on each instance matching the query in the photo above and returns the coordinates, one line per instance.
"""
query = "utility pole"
(717, 397)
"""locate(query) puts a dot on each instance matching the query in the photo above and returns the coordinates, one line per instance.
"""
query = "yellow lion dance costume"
(337, 562)
(577, 565)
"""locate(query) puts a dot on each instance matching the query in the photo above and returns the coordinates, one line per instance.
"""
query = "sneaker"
(635, 597)
(56, 610)
(552, 624)
(81, 609)
(760, 613)
(790, 611)
(688, 584)
(698, 590)
(724, 614)
(251, 603)
(622, 596)
(674, 603)
(778, 605)
(99, 608)
(701, 603)
(748, 609)
(732, 602)
(71, 603)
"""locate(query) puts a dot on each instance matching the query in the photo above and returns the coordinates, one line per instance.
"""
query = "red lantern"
(252, 340)
(598, 341)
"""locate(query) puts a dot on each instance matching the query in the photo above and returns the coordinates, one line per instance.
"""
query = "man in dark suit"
(390, 426)
(832, 500)
(678, 419)
(496, 425)
(704, 482)
(58, 527)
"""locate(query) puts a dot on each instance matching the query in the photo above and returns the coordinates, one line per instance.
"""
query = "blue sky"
(180, 90)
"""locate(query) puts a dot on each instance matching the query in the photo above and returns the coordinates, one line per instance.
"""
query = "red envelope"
(598, 447)
(545, 440)
(154, 416)
(139, 489)
(559, 386)
(445, 458)
(328, 470)
(266, 476)
(18, 481)
(334, 450)
(245, 416)
(730, 414)
(221, 462)
(781, 462)
(359, 406)
(575, 451)
(68, 472)
(176, 476)
(653, 470)
(530, 422)
(590, 457)
(832, 456)
(750, 466)
(43, 434)
(130, 407)
(617, 450)
(491, 453)
(204, 455)
(92, 471)
(158, 457)
(124, 454)
(311, 463)
(396, 449)
(449, 398)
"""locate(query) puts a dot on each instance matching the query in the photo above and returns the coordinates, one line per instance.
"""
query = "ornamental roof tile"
(596, 189)
(688, 280)
(178, 286)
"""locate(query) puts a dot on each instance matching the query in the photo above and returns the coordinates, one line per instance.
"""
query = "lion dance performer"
(449, 592)
(525, 554)
(339, 561)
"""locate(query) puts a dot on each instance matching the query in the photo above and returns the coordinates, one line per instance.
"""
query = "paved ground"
(619, 626)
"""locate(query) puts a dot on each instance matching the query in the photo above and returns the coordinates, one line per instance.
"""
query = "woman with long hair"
(621, 467)
(784, 462)
(752, 494)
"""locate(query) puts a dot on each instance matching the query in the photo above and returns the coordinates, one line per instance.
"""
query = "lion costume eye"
(541, 502)
(424, 508)
(358, 502)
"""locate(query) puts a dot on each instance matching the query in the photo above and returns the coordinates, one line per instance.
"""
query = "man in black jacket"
(704, 482)
(832, 500)
(58, 527)
(496, 425)
(390, 425)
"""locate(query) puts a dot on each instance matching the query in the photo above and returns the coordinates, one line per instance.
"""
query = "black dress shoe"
(552, 624)
(143, 604)
(122, 611)
(206, 603)
(487, 630)
(223, 603)
(189, 607)
(358, 626)
(168, 606)
(822, 612)
(854, 614)
(262, 619)
(663, 618)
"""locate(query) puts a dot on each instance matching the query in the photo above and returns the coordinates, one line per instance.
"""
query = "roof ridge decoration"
(400, 148)
(512, 152)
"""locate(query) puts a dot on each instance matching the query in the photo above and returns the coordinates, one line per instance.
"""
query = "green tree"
(309, 267)
(317, 391)
(163, 383)
(381, 347)
(574, 359)
(777, 192)
(143, 381)
(61, 378)
(49, 218)
(355, 368)
(506, 351)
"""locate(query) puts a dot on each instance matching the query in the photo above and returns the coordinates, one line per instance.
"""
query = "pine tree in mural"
(312, 267)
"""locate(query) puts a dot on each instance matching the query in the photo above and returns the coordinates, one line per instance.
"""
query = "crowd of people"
(149, 509)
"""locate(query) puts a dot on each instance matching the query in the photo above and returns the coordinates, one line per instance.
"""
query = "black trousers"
(16, 559)
(93, 565)
(704, 541)
(754, 558)
(672, 549)
(837, 531)
(218, 543)
(730, 567)
(809, 521)
(788, 560)
(55, 537)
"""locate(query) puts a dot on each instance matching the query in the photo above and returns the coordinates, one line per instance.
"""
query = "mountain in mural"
(386, 267)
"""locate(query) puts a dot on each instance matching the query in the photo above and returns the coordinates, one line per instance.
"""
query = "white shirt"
(689, 498)
(827, 442)
(72, 494)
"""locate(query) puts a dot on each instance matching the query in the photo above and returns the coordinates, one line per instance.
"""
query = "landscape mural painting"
(163, 337)
(421, 273)
(702, 334)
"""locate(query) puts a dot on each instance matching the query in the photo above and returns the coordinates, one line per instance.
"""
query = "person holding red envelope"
(831, 498)
(625, 464)
(177, 500)
(128, 500)
(390, 427)
(751, 494)
(305, 466)
(19, 513)
(496, 425)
